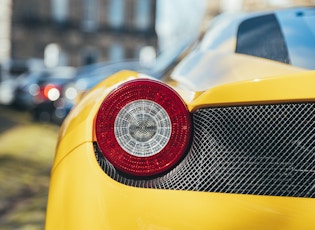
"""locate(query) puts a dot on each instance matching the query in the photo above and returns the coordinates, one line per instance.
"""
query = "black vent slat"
(258, 149)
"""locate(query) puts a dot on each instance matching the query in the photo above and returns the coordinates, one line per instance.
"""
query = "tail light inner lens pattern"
(142, 128)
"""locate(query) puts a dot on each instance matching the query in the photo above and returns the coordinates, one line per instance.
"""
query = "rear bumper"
(82, 196)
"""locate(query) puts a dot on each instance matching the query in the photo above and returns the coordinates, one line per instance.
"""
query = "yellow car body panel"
(82, 196)
(287, 88)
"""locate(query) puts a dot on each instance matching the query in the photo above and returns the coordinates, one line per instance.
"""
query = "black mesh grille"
(262, 150)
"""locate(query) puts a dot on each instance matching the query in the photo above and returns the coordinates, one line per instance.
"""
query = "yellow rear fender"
(284, 88)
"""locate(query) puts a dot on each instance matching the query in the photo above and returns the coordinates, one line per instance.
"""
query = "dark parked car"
(10, 71)
(42, 86)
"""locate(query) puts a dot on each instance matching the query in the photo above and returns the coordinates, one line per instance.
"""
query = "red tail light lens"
(143, 128)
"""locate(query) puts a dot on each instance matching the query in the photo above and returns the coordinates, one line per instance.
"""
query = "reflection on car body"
(226, 143)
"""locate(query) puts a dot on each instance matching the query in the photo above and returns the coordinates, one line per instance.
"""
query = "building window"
(143, 14)
(116, 52)
(90, 15)
(59, 10)
(90, 55)
(54, 55)
(116, 13)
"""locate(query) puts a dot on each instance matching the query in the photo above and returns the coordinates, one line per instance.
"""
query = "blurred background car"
(41, 87)
(88, 76)
(9, 72)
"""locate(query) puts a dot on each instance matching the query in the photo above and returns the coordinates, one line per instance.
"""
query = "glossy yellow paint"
(218, 68)
(82, 196)
(285, 88)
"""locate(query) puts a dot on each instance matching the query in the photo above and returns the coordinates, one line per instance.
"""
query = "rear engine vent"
(260, 150)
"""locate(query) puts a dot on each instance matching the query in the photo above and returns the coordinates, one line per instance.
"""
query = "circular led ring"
(142, 128)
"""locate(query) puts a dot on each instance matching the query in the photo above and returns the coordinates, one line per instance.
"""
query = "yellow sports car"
(226, 142)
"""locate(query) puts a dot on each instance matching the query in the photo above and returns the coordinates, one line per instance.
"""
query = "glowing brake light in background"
(50, 92)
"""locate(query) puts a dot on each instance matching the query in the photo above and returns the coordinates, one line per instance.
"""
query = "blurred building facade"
(5, 28)
(78, 32)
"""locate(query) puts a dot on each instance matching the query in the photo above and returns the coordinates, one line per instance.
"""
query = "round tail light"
(143, 128)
